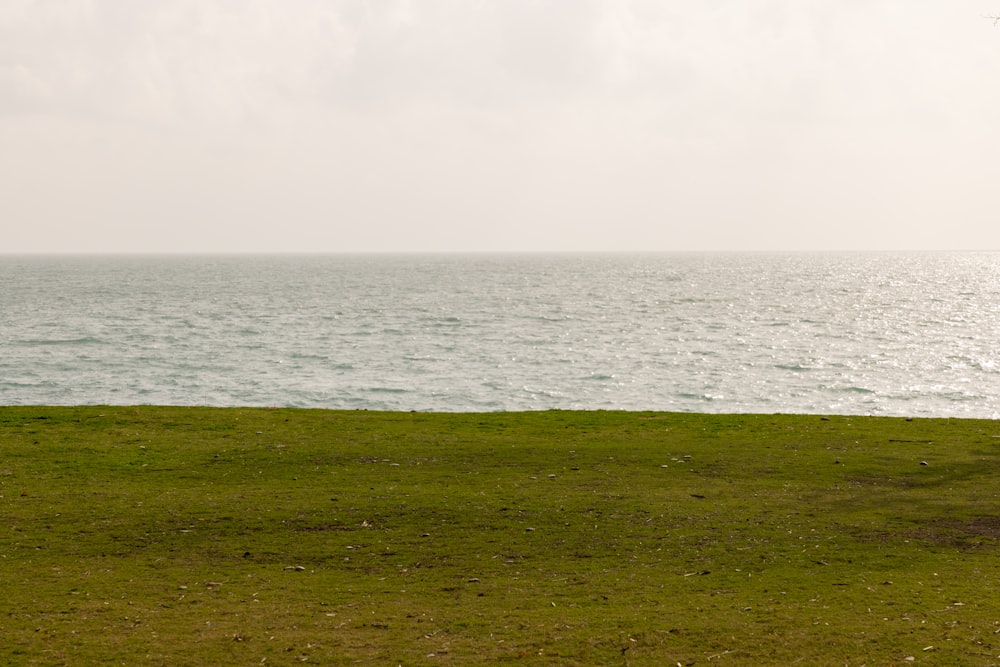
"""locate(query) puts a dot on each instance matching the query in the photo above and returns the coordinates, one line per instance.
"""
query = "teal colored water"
(899, 334)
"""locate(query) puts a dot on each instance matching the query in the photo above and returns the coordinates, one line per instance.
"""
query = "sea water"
(892, 334)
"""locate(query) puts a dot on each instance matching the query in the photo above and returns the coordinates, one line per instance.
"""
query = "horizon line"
(342, 253)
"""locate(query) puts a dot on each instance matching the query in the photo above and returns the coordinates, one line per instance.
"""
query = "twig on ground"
(719, 655)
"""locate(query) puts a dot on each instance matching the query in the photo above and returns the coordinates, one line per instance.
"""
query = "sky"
(336, 126)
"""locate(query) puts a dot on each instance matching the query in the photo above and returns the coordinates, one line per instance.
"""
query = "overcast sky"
(503, 125)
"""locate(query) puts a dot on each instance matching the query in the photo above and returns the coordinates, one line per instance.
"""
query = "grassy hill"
(193, 536)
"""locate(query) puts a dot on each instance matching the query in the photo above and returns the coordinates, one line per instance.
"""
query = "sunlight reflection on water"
(908, 334)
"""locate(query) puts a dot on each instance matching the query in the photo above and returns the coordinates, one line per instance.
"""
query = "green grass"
(193, 536)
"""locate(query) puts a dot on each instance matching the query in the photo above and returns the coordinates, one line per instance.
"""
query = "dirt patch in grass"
(880, 480)
(960, 534)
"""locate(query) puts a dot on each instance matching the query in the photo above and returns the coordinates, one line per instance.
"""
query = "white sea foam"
(905, 334)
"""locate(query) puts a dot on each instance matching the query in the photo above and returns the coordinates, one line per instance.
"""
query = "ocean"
(877, 333)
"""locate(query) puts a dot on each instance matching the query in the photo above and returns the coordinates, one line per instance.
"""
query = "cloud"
(193, 60)
(171, 62)
(586, 124)
(223, 62)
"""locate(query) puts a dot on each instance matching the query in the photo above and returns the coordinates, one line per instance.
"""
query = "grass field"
(193, 536)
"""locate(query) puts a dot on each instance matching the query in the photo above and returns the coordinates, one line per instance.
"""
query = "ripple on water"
(881, 334)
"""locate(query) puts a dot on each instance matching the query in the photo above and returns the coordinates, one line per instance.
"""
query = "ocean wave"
(797, 368)
(855, 390)
(83, 340)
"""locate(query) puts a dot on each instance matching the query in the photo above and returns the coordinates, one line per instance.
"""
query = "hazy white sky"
(503, 125)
